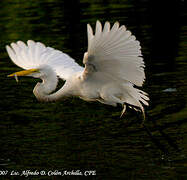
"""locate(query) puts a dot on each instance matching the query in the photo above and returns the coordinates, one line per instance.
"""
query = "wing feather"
(98, 29)
(114, 59)
(106, 27)
(35, 54)
(116, 52)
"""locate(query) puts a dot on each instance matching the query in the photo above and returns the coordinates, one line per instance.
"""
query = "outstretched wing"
(114, 52)
(34, 54)
(114, 59)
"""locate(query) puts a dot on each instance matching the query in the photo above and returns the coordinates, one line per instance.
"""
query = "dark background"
(77, 135)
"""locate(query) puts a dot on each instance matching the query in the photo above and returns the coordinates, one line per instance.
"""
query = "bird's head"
(42, 72)
(29, 72)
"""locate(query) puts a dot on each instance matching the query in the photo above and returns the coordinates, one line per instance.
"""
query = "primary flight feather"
(114, 68)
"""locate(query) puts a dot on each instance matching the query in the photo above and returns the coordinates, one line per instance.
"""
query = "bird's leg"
(123, 110)
(136, 108)
(154, 140)
(166, 137)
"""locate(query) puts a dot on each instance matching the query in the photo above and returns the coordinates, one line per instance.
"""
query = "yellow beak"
(23, 73)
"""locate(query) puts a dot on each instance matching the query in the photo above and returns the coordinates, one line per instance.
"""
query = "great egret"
(114, 68)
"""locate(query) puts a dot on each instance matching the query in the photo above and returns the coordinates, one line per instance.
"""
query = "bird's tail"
(135, 99)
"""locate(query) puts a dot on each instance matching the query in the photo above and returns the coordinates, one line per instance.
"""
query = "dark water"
(77, 135)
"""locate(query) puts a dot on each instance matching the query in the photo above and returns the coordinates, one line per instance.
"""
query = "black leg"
(166, 137)
(154, 140)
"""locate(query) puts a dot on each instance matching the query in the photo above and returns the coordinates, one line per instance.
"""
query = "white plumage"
(35, 54)
(113, 65)
(116, 52)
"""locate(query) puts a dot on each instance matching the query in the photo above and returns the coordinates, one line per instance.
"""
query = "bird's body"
(113, 67)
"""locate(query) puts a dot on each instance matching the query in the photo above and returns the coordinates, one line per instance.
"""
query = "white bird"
(114, 68)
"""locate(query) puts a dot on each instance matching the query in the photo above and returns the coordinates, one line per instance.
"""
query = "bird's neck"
(43, 91)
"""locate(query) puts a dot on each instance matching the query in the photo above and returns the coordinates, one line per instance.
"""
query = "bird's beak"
(23, 73)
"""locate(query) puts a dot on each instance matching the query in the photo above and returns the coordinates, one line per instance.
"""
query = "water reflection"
(79, 135)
